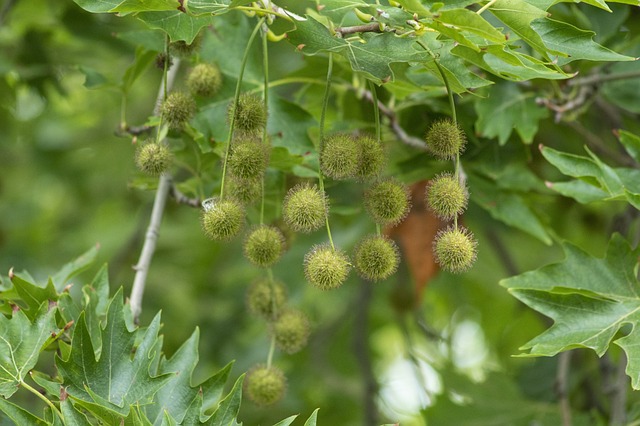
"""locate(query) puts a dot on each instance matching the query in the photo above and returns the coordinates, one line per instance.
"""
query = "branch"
(374, 27)
(619, 393)
(561, 385)
(180, 198)
(600, 78)
(151, 237)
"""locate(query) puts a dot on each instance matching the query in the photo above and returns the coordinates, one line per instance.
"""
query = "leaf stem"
(265, 134)
(42, 397)
(485, 7)
(325, 103)
(232, 119)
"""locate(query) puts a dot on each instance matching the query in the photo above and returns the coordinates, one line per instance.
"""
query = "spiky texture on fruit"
(249, 159)
(264, 385)
(455, 249)
(153, 158)
(250, 114)
(264, 246)
(371, 157)
(178, 109)
(266, 298)
(446, 197)
(339, 156)
(305, 208)
(291, 331)
(245, 190)
(445, 140)
(387, 202)
(162, 60)
(376, 258)
(204, 80)
(325, 267)
(183, 50)
(222, 219)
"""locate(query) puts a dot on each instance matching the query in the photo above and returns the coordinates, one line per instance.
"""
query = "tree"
(383, 182)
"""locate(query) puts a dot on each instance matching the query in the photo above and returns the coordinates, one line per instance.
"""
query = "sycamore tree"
(320, 212)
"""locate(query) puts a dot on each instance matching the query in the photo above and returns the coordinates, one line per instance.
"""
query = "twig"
(583, 96)
(619, 393)
(180, 198)
(599, 78)
(134, 130)
(151, 237)
(561, 385)
(374, 27)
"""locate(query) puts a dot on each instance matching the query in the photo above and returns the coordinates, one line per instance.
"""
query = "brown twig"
(180, 198)
(601, 78)
(373, 27)
(560, 109)
(134, 131)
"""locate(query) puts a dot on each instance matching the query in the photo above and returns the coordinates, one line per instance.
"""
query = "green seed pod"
(178, 109)
(204, 80)
(153, 158)
(387, 202)
(446, 197)
(376, 258)
(163, 59)
(249, 159)
(305, 208)
(455, 249)
(264, 246)
(222, 219)
(371, 158)
(325, 267)
(445, 140)
(245, 190)
(339, 157)
(264, 385)
(250, 114)
(266, 299)
(291, 331)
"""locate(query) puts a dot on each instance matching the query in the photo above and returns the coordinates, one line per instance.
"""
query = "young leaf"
(227, 411)
(589, 299)
(21, 342)
(312, 419)
(32, 295)
(61, 278)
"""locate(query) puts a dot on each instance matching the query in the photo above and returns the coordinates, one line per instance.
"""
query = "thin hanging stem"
(376, 110)
(42, 397)
(325, 103)
(232, 120)
(265, 135)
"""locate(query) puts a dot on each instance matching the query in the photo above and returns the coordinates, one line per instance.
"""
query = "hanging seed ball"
(387, 202)
(162, 60)
(305, 208)
(325, 267)
(339, 157)
(376, 258)
(371, 158)
(249, 159)
(264, 385)
(266, 298)
(445, 140)
(446, 197)
(455, 249)
(182, 49)
(178, 109)
(245, 190)
(222, 219)
(291, 331)
(250, 114)
(204, 80)
(264, 246)
(153, 158)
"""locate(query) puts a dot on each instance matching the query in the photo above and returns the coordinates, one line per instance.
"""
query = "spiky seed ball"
(370, 157)
(455, 249)
(250, 114)
(304, 208)
(446, 197)
(376, 258)
(445, 140)
(162, 60)
(264, 385)
(291, 331)
(266, 298)
(182, 49)
(264, 246)
(245, 190)
(204, 80)
(339, 157)
(222, 219)
(178, 109)
(153, 158)
(387, 202)
(249, 159)
(325, 267)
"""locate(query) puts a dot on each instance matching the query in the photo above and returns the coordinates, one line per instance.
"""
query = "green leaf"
(289, 123)
(589, 299)
(287, 421)
(517, 15)
(469, 21)
(98, 6)
(506, 109)
(227, 411)
(143, 59)
(128, 6)
(72, 417)
(119, 377)
(19, 415)
(33, 296)
(61, 278)
(178, 25)
(21, 342)
(631, 144)
(311, 421)
(577, 43)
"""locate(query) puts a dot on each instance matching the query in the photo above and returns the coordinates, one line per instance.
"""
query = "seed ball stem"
(387, 202)
(304, 208)
(291, 331)
(178, 109)
(339, 157)
(204, 80)
(264, 385)
(266, 298)
(376, 258)
(325, 267)
(264, 246)
(222, 219)
(445, 140)
(455, 249)
(153, 158)
(446, 197)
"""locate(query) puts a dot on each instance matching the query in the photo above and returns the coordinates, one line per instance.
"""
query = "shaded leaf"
(227, 411)
(631, 143)
(311, 421)
(469, 21)
(178, 25)
(19, 415)
(32, 295)
(517, 15)
(61, 278)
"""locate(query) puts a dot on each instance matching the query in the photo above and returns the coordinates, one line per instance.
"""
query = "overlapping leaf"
(589, 299)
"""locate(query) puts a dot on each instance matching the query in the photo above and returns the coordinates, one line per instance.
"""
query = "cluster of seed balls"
(455, 246)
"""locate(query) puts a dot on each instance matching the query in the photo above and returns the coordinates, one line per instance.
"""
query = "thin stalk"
(265, 135)
(123, 111)
(232, 120)
(376, 111)
(325, 103)
(272, 349)
(42, 397)
(485, 7)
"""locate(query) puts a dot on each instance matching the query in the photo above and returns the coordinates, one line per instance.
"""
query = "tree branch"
(180, 198)
(561, 385)
(151, 237)
(600, 78)
(374, 27)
